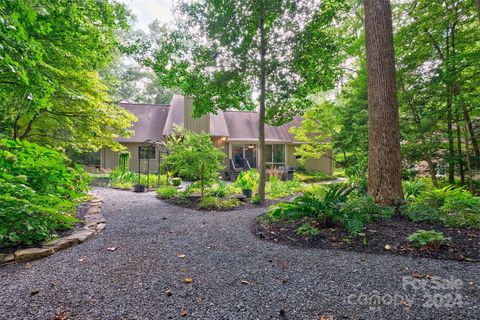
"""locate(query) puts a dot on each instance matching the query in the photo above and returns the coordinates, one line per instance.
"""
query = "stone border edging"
(94, 223)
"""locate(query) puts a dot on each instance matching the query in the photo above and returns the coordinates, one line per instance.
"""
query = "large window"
(275, 155)
(242, 152)
(146, 152)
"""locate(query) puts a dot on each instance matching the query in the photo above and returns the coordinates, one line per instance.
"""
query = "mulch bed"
(382, 236)
(191, 202)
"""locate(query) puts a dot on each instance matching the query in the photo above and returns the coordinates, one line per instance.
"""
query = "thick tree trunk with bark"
(451, 146)
(261, 120)
(384, 171)
(461, 167)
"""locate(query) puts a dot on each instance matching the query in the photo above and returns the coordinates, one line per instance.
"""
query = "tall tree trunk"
(478, 9)
(473, 139)
(261, 119)
(461, 167)
(431, 168)
(469, 164)
(384, 172)
(451, 147)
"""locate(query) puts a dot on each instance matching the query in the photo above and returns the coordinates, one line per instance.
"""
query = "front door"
(251, 154)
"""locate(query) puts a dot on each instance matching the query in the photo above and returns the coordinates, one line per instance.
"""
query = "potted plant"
(246, 182)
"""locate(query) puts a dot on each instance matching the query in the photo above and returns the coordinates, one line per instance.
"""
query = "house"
(236, 132)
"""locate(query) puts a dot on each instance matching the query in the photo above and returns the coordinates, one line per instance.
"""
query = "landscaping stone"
(93, 210)
(82, 234)
(33, 253)
(100, 227)
(6, 258)
(62, 243)
(94, 219)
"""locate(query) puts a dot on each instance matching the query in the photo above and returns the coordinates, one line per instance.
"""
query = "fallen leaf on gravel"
(325, 318)
(81, 259)
(421, 276)
(168, 293)
(283, 265)
(188, 280)
(388, 247)
(28, 266)
(35, 292)
(405, 304)
(181, 255)
(111, 248)
(244, 282)
(184, 313)
(61, 316)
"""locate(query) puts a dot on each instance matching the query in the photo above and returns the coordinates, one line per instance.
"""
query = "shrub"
(413, 188)
(176, 182)
(307, 230)
(248, 179)
(430, 238)
(277, 188)
(312, 176)
(214, 203)
(219, 190)
(335, 207)
(39, 189)
(193, 156)
(167, 192)
(453, 207)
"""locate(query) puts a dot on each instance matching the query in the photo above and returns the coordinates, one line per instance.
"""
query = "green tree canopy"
(50, 58)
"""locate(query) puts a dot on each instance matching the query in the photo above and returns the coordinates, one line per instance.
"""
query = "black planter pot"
(247, 193)
(139, 188)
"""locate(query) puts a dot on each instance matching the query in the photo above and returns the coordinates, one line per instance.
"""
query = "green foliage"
(127, 179)
(312, 176)
(247, 179)
(450, 206)
(194, 157)
(413, 188)
(338, 206)
(307, 230)
(430, 238)
(176, 182)
(215, 203)
(52, 53)
(123, 161)
(39, 188)
(167, 192)
(219, 190)
(277, 188)
(256, 199)
(318, 125)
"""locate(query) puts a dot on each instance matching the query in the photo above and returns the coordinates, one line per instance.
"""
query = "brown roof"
(151, 120)
(157, 121)
(175, 115)
(244, 126)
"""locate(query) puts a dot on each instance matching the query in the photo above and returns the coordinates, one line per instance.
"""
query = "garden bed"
(192, 202)
(381, 236)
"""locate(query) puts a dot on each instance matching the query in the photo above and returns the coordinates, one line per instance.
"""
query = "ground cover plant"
(433, 222)
(39, 192)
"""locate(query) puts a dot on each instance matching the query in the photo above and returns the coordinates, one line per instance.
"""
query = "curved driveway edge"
(157, 261)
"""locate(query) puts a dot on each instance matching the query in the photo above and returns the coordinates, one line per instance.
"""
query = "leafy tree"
(50, 89)
(193, 156)
(317, 128)
(222, 52)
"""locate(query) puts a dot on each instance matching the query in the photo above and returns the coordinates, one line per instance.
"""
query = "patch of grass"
(312, 176)
(166, 192)
(215, 203)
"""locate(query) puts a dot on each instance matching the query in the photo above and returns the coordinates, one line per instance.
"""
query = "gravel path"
(235, 275)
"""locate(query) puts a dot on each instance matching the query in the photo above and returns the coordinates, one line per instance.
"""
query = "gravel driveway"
(235, 275)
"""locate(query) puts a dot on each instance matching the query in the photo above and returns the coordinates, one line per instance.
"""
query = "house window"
(275, 155)
(146, 152)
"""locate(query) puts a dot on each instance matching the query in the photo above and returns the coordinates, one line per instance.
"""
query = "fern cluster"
(341, 206)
